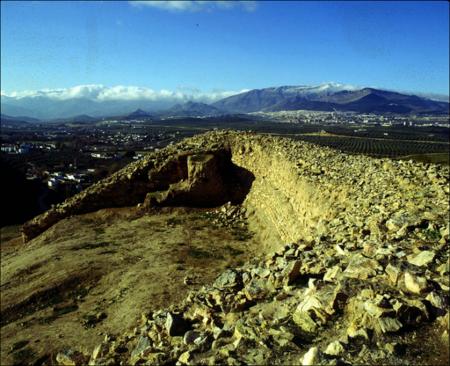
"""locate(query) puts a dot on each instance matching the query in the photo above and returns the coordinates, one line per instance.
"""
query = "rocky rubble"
(364, 280)
(291, 307)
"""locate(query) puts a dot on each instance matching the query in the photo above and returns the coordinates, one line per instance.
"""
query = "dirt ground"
(95, 274)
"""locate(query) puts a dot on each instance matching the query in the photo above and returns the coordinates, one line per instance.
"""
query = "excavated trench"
(280, 208)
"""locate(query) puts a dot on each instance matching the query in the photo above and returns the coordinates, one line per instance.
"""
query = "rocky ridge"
(364, 278)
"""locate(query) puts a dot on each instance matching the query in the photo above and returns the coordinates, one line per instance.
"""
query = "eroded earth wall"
(307, 192)
(298, 190)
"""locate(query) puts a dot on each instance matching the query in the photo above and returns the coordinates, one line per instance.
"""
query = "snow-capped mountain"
(329, 97)
(327, 88)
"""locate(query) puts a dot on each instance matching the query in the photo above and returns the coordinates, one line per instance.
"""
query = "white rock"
(335, 349)
(436, 300)
(421, 259)
(393, 273)
(332, 273)
(184, 358)
(389, 325)
(310, 357)
(415, 284)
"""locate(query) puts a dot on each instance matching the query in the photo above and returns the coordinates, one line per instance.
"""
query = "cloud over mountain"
(98, 100)
(98, 92)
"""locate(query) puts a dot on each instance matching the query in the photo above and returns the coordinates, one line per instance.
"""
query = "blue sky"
(221, 46)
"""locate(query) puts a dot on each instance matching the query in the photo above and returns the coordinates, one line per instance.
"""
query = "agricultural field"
(421, 143)
(377, 147)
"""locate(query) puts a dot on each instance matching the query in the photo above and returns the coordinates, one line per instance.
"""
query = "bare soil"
(95, 274)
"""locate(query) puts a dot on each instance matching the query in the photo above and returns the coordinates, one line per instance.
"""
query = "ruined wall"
(298, 190)
(185, 175)
(302, 191)
(281, 204)
(376, 265)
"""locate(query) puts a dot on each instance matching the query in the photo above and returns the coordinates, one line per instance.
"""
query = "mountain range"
(329, 97)
(325, 97)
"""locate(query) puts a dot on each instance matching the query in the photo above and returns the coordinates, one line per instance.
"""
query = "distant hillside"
(46, 108)
(9, 107)
(329, 97)
(15, 122)
(19, 119)
(82, 118)
(138, 113)
(192, 109)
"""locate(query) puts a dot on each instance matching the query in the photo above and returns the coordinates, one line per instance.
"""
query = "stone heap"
(364, 278)
(304, 304)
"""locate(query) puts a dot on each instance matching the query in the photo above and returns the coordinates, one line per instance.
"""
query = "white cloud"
(169, 5)
(433, 96)
(100, 93)
(249, 6)
(196, 5)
